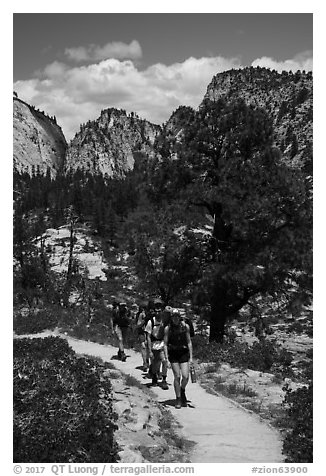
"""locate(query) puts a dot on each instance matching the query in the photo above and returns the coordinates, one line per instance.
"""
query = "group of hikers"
(165, 339)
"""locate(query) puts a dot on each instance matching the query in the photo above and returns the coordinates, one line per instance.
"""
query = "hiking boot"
(154, 381)
(178, 402)
(164, 385)
(183, 398)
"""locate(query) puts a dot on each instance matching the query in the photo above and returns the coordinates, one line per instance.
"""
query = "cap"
(175, 312)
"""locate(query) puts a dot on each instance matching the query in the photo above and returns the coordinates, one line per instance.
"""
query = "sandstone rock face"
(38, 142)
(177, 120)
(288, 99)
(110, 144)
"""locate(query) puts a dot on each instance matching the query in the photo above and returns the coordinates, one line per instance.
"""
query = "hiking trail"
(223, 431)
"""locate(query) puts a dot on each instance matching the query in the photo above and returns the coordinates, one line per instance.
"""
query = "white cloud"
(116, 49)
(55, 70)
(302, 61)
(75, 95)
(78, 94)
(78, 54)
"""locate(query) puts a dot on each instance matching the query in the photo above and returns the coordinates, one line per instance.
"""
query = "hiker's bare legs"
(176, 369)
(184, 368)
(156, 362)
(144, 351)
(181, 378)
(164, 367)
(120, 333)
(158, 359)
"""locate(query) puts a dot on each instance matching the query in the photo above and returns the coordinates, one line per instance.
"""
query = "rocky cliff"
(110, 144)
(38, 142)
(286, 96)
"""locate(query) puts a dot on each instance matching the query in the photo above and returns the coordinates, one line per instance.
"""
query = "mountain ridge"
(288, 99)
(110, 144)
(38, 141)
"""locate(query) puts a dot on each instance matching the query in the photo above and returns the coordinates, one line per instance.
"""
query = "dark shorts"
(178, 355)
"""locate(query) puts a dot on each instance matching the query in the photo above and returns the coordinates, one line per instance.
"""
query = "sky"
(73, 65)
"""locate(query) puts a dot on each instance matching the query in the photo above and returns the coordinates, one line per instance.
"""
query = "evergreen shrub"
(298, 443)
(35, 321)
(262, 355)
(62, 405)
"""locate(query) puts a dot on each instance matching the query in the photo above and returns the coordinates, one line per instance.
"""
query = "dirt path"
(223, 432)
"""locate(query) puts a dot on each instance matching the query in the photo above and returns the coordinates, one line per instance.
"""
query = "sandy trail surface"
(223, 431)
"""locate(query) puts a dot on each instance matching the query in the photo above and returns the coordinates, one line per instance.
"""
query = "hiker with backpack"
(178, 348)
(141, 321)
(134, 313)
(113, 309)
(154, 307)
(120, 324)
(155, 341)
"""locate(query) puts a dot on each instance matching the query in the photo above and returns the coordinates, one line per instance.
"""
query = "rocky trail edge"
(222, 431)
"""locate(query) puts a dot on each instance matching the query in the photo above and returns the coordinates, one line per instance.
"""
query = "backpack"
(191, 327)
(177, 337)
(157, 334)
(141, 320)
(123, 318)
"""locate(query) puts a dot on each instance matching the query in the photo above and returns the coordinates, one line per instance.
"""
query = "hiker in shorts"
(133, 313)
(155, 340)
(113, 310)
(178, 347)
(120, 323)
(141, 321)
(154, 307)
(158, 309)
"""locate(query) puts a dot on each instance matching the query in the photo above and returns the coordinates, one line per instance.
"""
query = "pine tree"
(260, 208)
